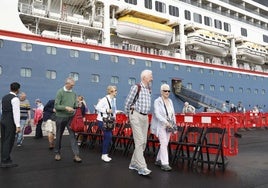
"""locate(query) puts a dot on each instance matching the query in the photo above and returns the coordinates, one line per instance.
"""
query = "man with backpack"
(137, 107)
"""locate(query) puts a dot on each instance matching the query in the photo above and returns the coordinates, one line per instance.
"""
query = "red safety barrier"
(227, 121)
(231, 122)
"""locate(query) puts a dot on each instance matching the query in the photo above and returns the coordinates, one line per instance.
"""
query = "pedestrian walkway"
(37, 168)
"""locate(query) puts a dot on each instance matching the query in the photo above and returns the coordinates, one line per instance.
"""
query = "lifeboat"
(252, 53)
(208, 42)
(145, 30)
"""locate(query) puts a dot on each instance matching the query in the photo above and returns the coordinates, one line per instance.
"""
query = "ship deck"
(37, 168)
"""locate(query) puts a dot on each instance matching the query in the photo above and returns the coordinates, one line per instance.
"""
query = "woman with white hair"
(163, 119)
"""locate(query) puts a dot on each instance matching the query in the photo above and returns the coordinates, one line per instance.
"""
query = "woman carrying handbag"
(106, 108)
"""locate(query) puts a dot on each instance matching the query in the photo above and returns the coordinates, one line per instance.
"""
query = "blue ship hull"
(38, 61)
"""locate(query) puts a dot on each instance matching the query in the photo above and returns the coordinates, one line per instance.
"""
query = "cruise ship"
(209, 51)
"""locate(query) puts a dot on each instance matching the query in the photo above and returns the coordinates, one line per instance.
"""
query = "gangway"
(195, 98)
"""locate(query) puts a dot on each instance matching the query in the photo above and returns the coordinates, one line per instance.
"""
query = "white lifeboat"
(251, 52)
(208, 42)
(144, 30)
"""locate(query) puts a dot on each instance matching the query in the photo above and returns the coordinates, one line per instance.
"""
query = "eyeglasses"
(166, 91)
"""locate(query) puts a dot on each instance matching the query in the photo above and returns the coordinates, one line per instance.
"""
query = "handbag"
(77, 123)
(109, 121)
(28, 129)
(173, 128)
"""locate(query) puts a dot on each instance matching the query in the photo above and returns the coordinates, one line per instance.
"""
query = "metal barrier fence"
(232, 122)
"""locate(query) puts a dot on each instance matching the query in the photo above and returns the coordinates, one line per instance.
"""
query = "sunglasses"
(166, 91)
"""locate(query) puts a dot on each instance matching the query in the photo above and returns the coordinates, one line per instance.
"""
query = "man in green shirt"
(65, 104)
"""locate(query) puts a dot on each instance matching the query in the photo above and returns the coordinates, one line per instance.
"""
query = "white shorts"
(50, 126)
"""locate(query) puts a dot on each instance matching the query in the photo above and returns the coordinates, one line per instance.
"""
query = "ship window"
(241, 90)
(247, 76)
(74, 53)
(222, 88)
(197, 18)
(163, 65)
(230, 74)
(265, 38)
(188, 69)
(244, 32)
(26, 72)
(51, 50)
(132, 61)
(239, 75)
(254, 77)
(212, 87)
(187, 15)
(95, 78)
(1, 70)
(201, 70)
(148, 4)
(51, 74)
(114, 59)
(132, 81)
(26, 47)
(164, 82)
(174, 11)
(248, 90)
(217, 24)
(221, 73)
(95, 56)
(74, 75)
(189, 86)
(207, 21)
(148, 63)
(202, 87)
(256, 91)
(263, 92)
(1, 43)
(114, 79)
(211, 71)
(134, 2)
(160, 7)
(231, 89)
(176, 67)
(227, 27)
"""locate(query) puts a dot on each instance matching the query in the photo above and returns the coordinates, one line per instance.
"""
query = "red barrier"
(230, 143)
(230, 121)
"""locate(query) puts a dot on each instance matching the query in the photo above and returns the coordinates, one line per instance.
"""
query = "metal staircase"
(196, 99)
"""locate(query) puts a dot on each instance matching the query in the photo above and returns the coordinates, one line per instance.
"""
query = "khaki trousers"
(139, 124)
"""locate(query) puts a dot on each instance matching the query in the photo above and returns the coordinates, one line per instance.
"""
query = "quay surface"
(37, 168)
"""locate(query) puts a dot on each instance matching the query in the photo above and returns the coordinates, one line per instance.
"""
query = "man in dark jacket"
(10, 124)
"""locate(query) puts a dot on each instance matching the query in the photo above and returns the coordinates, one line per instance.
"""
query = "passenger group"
(57, 114)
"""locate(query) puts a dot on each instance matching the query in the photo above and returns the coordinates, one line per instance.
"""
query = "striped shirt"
(143, 103)
(24, 108)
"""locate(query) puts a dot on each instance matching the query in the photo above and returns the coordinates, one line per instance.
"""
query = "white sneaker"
(105, 158)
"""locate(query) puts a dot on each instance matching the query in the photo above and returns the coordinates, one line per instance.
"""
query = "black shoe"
(8, 165)
(158, 163)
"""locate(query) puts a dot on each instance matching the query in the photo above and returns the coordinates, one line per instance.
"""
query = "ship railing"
(25, 8)
(39, 12)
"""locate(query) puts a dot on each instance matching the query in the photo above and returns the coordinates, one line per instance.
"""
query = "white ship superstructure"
(203, 30)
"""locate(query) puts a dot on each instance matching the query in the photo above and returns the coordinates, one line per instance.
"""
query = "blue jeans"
(20, 134)
(107, 138)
